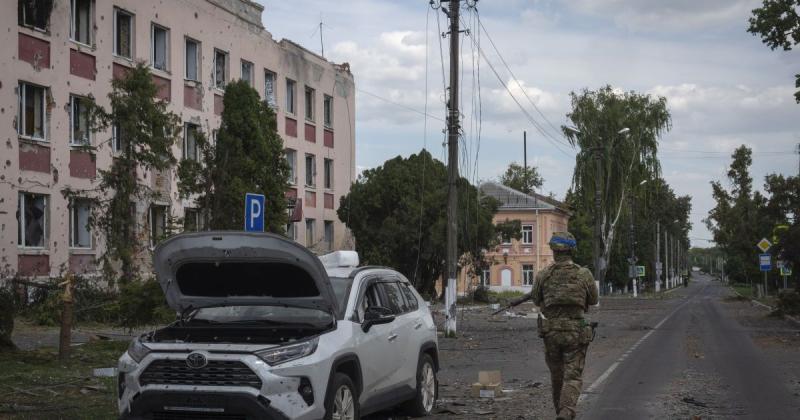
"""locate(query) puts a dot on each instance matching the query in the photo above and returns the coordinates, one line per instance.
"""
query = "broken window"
(123, 33)
(328, 235)
(486, 278)
(247, 72)
(527, 274)
(291, 232)
(328, 173)
(160, 43)
(220, 68)
(310, 232)
(290, 96)
(34, 13)
(192, 59)
(309, 100)
(158, 223)
(80, 24)
(193, 220)
(190, 141)
(117, 139)
(311, 170)
(291, 158)
(328, 111)
(32, 220)
(32, 110)
(269, 89)
(79, 121)
(79, 232)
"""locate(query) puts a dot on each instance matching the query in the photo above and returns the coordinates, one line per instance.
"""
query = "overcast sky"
(724, 87)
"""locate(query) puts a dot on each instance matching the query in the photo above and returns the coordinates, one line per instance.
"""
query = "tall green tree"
(777, 22)
(621, 160)
(146, 132)
(522, 179)
(397, 213)
(248, 157)
(783, 210)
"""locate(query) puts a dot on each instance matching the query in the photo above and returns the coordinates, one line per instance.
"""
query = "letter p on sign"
(253, 212)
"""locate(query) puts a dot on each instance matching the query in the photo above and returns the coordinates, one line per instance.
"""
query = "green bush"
(143, 303)
(788, 302)
(8, 309)
(481, 294)
(504, 296)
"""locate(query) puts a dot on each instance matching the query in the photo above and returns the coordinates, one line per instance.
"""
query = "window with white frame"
(32, 118)
(527, 234)
(309, 102)
(159, 49)
(190, 132)
(117, 139)
(310, 232)
(291, 231)
(291, 158)
(269, 89)
(327, 110)
(290, 91)
(80, 134)
(220, 68)
(192, 59)
(158, 223)
(328, 235)
(123, 33)
(80, 25)
(32, 220)
(80, 235)
(35, 14)
(328, 173)
(486, 278)
(527, 274)
(311, 170)
(247, 72)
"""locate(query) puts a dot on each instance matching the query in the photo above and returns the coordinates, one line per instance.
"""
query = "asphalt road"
(695, 356)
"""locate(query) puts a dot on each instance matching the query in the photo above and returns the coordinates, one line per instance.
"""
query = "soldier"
(564, 291)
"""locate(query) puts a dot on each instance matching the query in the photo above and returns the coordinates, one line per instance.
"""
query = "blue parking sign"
(253, 212)
(765, 262)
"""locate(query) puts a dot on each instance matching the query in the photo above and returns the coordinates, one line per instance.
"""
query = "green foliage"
(622, 161)
(481, 295)
(777, 22)
(397, 213)
(521, 179)
(788, 302)
(248, 157)
(143, 303)
(8, 309)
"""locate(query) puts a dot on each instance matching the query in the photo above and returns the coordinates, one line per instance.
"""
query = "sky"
(723, 86)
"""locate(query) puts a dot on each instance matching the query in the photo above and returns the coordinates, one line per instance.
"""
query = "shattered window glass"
(79, 121)
(81, 21)
(269, 89)
(159, 54)
(123, 33)
(35, 13)
(32, 220)
(31, 111)
(80, 234)
(220, 68)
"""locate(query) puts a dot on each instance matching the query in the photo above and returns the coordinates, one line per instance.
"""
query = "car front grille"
(183, 415)
(215, 373)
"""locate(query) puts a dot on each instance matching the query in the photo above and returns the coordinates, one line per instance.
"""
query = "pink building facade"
(59, 54)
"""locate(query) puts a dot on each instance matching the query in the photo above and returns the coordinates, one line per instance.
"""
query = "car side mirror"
(376, 315)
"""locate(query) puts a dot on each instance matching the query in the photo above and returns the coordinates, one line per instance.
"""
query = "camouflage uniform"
(564, 291)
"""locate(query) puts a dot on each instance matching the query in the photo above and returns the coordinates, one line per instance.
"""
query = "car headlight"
(137, 350)
(277, 355)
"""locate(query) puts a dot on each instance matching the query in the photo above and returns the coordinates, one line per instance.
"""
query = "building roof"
(511, 199)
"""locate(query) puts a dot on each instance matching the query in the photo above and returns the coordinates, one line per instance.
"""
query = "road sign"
(765, 262)
(253, 212)
(764, 245)
(640, 271)
(786, 271)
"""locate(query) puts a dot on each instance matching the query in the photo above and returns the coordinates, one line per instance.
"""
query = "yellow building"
(514, 263)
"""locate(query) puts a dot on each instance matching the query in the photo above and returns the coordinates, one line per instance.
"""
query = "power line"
(408, 108)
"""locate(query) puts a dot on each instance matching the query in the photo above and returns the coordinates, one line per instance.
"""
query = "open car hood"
(226, 268)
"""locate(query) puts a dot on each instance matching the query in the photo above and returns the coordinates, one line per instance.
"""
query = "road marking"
(599, 381)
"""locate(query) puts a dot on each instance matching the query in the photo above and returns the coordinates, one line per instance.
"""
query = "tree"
(146, 131)
(521, 178)
(778, 24)
(621, 160)
(397, 213)
(783, 208)
(248, 157)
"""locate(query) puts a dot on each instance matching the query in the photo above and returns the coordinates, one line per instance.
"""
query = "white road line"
(599, 381)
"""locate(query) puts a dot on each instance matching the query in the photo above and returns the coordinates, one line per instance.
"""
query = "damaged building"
(62, 54)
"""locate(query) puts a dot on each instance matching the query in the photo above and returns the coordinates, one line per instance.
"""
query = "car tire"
(342, 391)
(427, 388)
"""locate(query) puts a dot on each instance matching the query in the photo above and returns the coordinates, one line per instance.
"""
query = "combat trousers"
(565, 354)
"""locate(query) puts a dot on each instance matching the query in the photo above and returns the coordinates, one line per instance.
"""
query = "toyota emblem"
(196, 360)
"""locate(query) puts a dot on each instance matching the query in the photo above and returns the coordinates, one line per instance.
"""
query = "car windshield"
(262, 314)
(341, 287)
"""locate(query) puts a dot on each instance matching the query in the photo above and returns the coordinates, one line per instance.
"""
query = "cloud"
(672, 15)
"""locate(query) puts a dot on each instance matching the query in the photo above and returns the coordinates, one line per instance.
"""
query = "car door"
(377, 349)
(403, 331)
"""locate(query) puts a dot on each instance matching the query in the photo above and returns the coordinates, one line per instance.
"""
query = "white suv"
(268, 330)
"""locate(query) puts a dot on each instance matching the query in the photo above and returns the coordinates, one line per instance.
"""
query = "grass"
(747, 292)
(35, 384)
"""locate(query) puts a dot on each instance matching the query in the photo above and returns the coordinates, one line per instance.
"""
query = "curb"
(789, 317)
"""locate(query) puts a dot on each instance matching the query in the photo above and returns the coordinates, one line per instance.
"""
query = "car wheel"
(341, 403)
(427, 388)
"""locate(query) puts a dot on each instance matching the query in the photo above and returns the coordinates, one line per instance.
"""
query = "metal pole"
(657, 271)
(452, 174)
(632, 239)
(599, 266)
(525, 161)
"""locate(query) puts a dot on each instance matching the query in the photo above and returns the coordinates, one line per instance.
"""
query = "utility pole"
(452, 174)
(657, 282)
(599, 266)
(666, 259)
(632, 239)
(525, 161)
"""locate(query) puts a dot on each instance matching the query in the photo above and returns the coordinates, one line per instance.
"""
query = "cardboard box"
(486, 391)
(489, 377)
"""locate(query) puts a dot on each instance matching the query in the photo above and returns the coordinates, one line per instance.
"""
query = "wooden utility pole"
(65, 335)
(599, 263)
(452, 173)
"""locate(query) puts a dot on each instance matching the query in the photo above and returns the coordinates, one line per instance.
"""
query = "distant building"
(514, 263)
(57, 55)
